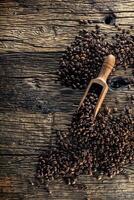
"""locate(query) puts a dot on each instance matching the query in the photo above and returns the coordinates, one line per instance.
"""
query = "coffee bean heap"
(100, 147)
(110, 141)
(82, 61)
(123, 48)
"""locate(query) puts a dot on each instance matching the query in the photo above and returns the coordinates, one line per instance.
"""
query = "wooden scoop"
(99, 84)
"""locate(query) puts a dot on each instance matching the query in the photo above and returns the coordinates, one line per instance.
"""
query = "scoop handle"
(107, 67)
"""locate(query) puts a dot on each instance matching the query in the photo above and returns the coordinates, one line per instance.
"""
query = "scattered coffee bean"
(129, 87)
(83, 22)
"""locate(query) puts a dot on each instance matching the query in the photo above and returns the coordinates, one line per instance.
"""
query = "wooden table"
(33, 35)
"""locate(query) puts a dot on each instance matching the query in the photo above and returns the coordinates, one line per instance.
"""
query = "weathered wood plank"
(17, 182)
(32, 104)
(52, 25)
(38, 102)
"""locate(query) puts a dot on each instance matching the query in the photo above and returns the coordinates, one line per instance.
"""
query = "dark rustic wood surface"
(33, 35)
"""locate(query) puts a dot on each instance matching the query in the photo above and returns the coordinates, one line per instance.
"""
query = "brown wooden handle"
(107, 67)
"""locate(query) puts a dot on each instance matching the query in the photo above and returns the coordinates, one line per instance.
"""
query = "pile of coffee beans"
(123, 48)
(110, 140)
(83, 59)
(92, 147)
(96, 147)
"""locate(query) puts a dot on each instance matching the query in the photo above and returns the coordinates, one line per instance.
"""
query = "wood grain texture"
(21, 184)
(33, 104)
(51, 25)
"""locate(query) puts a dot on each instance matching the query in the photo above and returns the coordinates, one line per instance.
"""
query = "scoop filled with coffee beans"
(99, 84)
